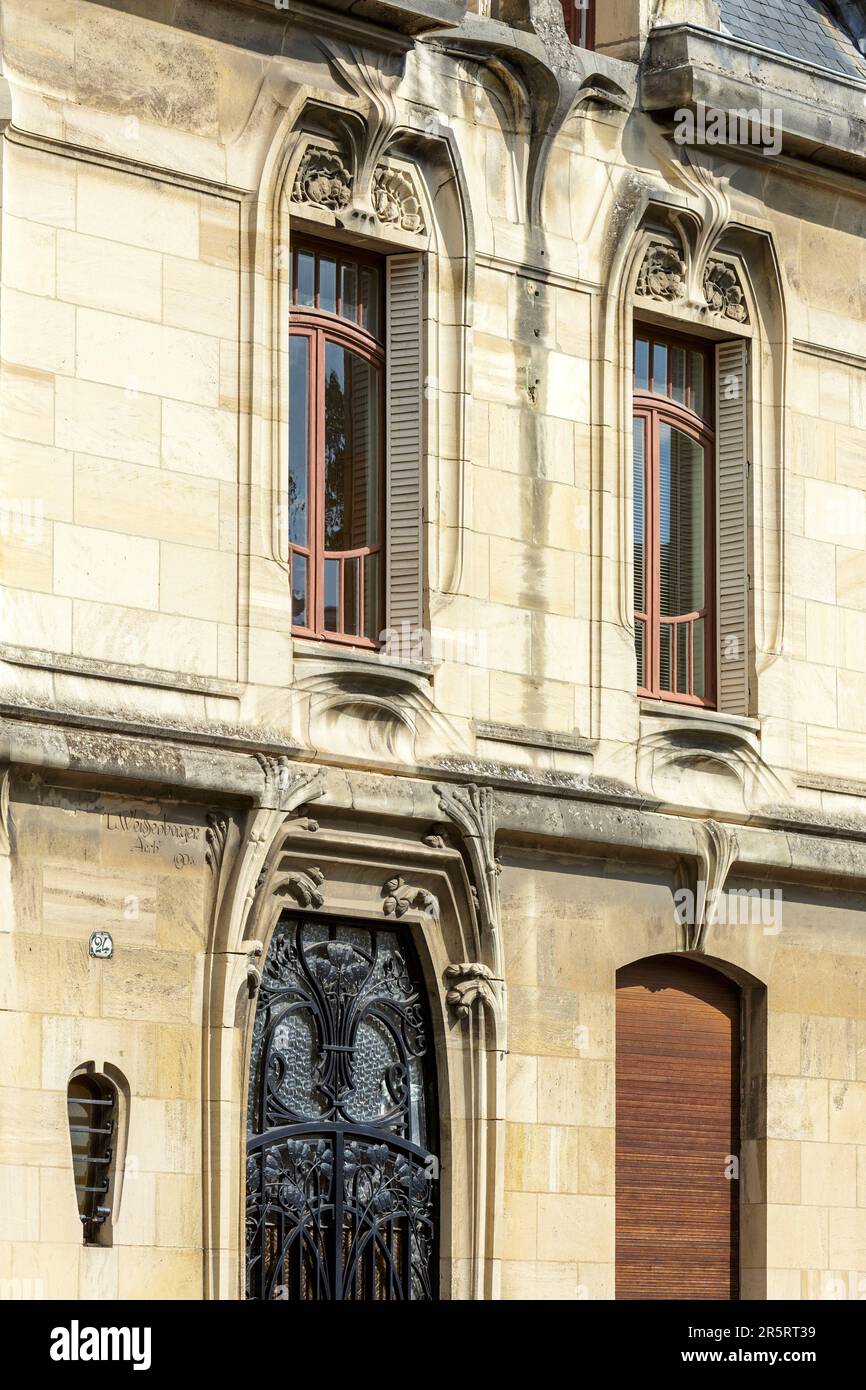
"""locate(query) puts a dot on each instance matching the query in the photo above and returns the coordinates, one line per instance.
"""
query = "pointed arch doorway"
(341, 1124)
(678, 1028)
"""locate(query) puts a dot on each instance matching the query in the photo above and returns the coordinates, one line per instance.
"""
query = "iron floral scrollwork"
(340, 1183)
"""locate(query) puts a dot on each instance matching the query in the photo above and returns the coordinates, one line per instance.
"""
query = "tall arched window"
(341, 1173)
(674, 518)
(677, 1131)
(336, 444)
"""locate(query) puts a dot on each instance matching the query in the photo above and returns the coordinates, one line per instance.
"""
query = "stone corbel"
(373, 78)
(468, 984)
(555, 77)
(470, 808)
(716, 849)
(304, 885)
(5, 819)
(398, 899)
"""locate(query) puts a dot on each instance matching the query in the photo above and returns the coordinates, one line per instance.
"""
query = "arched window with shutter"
(341, 1169)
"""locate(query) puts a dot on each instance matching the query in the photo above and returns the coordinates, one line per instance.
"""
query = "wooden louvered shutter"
(677, 1124)
(732, 522)
(404, 434)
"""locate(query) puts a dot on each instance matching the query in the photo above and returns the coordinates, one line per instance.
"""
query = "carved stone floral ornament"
(395, 200)
(723, 291)
(322, 180)
(468, 983)
(663, 273)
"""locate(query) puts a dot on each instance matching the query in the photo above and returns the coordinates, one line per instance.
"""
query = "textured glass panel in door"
(341, 1197)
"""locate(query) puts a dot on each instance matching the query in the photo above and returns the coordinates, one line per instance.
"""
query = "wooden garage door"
(677, 1120)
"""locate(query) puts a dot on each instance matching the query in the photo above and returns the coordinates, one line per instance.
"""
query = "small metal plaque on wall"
(101, 945)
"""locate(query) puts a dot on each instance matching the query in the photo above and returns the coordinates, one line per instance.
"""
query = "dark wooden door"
(677, 1123)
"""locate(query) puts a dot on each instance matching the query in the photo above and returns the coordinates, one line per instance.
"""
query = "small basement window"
(91, 1102)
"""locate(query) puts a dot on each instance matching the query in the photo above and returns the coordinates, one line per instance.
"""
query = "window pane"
(641, 364)
(682, 682)
(332, 592)
(349, 293)
(697, 375)
(300, 606)
(306, 278)
(681, 523)
(352, 596)
(328, 286)
(665, 656)
(372, 617)
(299, 368)
(639, 516)
(678, 374)
(370, 301)
(660, 369)
(351, 450)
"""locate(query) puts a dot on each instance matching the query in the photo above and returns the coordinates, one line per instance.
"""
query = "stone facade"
(164, 739)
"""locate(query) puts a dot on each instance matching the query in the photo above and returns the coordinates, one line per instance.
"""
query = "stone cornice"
(553, 812)
(821, 112)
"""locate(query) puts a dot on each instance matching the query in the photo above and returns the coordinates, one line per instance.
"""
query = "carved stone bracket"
(288, 786)
(469, 983)
(304, 886)
(716, 849)
(398, 899)
(723, 291)
(5, 822)
(663, 273)
(374, 80)
(215, 837)
(471, 809)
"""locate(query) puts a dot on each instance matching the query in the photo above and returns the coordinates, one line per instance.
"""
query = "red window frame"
(321, 327)
(579, 22)
(656, 410)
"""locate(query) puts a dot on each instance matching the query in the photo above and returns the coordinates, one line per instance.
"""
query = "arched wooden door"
(677, 1126)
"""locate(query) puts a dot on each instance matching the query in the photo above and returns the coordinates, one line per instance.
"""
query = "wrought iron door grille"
(341, 1182)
